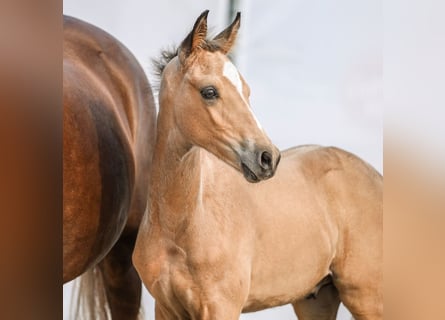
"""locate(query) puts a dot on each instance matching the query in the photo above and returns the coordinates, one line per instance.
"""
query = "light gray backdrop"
(314, 68)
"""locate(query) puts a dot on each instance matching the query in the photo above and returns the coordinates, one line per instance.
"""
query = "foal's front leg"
(215, 303)
(206, 312)
(214, 293)
(218, 311)
(162, 314)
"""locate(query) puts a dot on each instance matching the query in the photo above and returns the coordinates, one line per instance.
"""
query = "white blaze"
(232, 74)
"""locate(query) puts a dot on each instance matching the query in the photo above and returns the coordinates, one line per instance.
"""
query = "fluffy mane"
(164, 58)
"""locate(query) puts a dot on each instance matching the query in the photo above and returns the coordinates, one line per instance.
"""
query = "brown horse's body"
(108, 136)
(213, 245)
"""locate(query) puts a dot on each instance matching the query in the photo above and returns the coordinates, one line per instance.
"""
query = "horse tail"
(89, 299)
(109, 290)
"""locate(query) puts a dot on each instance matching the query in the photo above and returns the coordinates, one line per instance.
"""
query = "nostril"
(266, 160)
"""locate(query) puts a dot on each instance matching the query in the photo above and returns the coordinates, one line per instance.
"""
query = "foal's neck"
(176, 170)
(170, 147)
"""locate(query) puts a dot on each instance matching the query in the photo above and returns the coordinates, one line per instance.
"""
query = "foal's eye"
(209, 93)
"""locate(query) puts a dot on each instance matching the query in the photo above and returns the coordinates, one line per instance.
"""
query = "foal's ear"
(195, 39)
(227, 37)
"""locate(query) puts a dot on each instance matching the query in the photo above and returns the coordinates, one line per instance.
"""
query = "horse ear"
(227, 37)
(195, 39)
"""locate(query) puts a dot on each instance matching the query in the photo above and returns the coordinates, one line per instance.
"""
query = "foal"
(213, 245)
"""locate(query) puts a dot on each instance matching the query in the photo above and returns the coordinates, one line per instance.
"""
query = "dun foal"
(213, 245)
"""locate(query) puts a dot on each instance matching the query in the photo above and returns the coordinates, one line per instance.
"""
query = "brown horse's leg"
(121, 281)
(323, 307)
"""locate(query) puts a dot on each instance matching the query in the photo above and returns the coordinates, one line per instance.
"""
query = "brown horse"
(108, 138)
(212, 245)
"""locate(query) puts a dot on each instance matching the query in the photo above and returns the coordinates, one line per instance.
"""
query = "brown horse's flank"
(108, 137)
(116, 176)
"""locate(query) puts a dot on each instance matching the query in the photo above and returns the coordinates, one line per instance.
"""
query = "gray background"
(314, 68)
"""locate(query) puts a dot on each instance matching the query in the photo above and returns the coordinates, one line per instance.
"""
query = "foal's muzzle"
(260, 164)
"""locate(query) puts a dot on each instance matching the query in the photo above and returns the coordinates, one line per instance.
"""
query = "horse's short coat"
(213, 245)
(108, 137)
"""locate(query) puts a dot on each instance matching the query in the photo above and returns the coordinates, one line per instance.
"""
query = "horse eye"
(209, 93)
